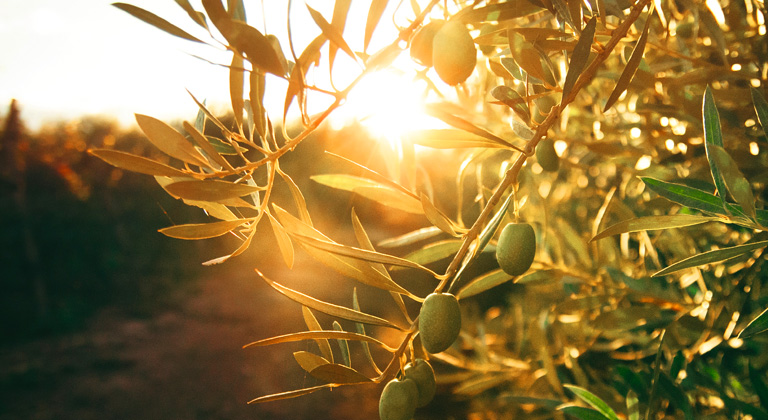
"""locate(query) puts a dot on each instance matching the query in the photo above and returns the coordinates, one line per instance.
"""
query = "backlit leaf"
(441, 113)
(309, 361)
(202, 230)
(713, 136)
(653, 223)
(761, 108)
(318, 335)
(296, 82)
(712, 257)
(733, 179)
(338, 374)
(686, 196)
(410, 237)
(594, 401)
(288, 394)
(206, 145)
(339, 20)
(436, 217)
(246, 39)
(512, 99)
(328, 308)
(240, 249)
(155, 21)
(374, 16)
(498, 12)
(236, 80)
(361, 330)
(579, 56)
(257, 87)
(196, 16)
(629, 70)
(298, 198)
(756, 326)
(372, 190)
(331, 32)
(283, 241)
(135, 163)
(314, 325)
(169, 141)
(210, 190)
(450, 139)
(489, 231)
(435, 252)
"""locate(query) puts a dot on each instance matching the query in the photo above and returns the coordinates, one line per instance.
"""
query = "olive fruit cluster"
(439, 321)
(448, 47)
(516, 248)
(400, 397)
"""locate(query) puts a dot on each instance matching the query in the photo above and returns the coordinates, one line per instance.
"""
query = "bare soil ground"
(186, 362)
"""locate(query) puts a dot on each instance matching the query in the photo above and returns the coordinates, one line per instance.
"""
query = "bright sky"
(66, 59)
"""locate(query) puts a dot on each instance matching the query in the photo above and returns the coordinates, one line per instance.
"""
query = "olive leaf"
(438, 218)
(331, 32)
(338, 22)
(756, 326)
(653, 223)
(197, 17)
(761, 108)
(327, 308)
(338, 374)
(210, 190)
(169, 141)
(309, 361)
(374, 16)
(579, 56)
(434, 252)
(594, 401)
(313, 325)
(284, 243)
(483, 283)
(373, 190)
(289, 394)
(440, 112)
(318, 335)
(629, 70)
(343, 345)
(361, 330)
(452, 139)
(156, 21)
(205, 144)
(236, 81)
(734, 180)
(712, 257)
(134, 163)
(202, 230)
(713, 136)
(410, 237)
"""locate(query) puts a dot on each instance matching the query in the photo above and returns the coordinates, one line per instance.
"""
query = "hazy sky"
(63, 59)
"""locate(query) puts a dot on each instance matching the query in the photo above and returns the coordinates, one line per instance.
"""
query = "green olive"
(547, 156)
(516, 248)
(421, 43)
(422, 373)
(398, 400)
(453, 53)
(439, 321)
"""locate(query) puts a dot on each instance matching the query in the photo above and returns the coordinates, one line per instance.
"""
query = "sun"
(388, 103)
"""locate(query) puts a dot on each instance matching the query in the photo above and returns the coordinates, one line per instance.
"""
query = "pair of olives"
(448, 47)
(401, 397)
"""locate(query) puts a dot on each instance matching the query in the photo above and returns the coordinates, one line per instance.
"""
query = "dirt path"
(184, 363)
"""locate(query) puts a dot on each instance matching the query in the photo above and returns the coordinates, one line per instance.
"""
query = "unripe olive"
(398, 400)
(547, 156)
(422, 373)
(516, 248)
(421, 43)
(453, 53)
(439, 321)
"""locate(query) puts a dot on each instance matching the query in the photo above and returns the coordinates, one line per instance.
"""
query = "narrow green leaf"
(331, 32)
(318, 335)
(653, 223)
(685, 196)
(202, 230)
(629, 70)
(489, 231)
(372, 190)
(309, 361)
(712, 257)
(155, 21)
(757, 325)
(343, 345)
(761, 108)
(210, 190)
(361, 330)
(135, 163)
(374, 16)
(498, 12)
(170, 141)
(328, 308)
(579, 56)
(313, 325)
(713, 136)
(582, 413)
(594, 401)
(734, 180)
(338, 374)
(509, 97)
(484, 282)
(633, 406)
(434, 252)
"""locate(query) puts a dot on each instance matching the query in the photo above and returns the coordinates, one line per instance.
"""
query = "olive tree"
(594, 177)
